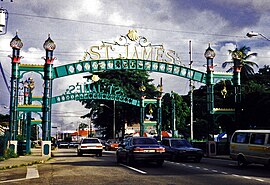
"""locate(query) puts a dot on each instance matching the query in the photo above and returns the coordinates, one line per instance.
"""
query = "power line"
(125, 26)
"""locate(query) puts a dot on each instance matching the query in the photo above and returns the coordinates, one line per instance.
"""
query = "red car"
(111, 145)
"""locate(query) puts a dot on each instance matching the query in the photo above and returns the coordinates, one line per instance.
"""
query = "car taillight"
(98, 146)
(160, 150)
(138, 150)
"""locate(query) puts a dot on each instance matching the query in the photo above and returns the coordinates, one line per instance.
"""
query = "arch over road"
(128, 64)
(129, 52)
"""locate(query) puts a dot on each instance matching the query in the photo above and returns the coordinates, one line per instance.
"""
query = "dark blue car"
(135, 149)
(181, 149)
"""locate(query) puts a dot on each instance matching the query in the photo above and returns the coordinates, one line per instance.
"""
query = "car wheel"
(130, 160)
(118, 159)
(79, 153)
(197, 160)
(174, 157)
(267, 166)
(160, 163)
(100, 154)
(241, 161)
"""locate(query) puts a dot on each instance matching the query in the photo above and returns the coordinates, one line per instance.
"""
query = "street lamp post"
(210, 55)
(29, 85)
(113, 116)
(3, 21)
(49, 46)
(16, 45)
(255, 34)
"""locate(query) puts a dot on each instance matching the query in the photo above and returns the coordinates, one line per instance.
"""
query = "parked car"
(74, 144)
(134, 149)
(90, 146)
(111, 144)
(250, 146)
(181, 149)
(63, 144)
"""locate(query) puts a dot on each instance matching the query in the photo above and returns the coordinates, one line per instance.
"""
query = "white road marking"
(14, 180)
(235, 175)
(216, 171)
(259, 180)
(135, 169)
(32, 172)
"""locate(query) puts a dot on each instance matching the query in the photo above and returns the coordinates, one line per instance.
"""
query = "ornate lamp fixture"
(237, 57)
(210, 54)
(16, 44)
(49, 46)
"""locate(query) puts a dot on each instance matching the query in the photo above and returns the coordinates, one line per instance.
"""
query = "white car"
(90, 146)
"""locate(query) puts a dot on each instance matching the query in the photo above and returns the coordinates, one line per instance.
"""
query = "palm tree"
(246, 65)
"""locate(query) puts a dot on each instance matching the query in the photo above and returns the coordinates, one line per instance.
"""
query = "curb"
(25, 164)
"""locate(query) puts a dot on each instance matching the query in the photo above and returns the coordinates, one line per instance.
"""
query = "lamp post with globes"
(142, 88)
(49, 46)
(210, 55)
(29, 86)
(16, 45)
(237, 57)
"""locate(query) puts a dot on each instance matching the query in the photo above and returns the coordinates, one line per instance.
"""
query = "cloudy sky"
(75, 25)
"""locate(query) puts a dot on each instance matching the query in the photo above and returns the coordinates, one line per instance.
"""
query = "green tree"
(129, 81)
(182, 112)
(246, 64)
(256, 100)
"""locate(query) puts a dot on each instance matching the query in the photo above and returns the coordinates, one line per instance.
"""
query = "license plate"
(149, 150)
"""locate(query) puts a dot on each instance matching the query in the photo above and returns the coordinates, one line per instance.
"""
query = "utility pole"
(191, 91)
(113, 119)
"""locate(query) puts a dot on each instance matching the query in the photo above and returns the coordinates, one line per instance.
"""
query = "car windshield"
(144, 141)
(180, 143)
(90, 141)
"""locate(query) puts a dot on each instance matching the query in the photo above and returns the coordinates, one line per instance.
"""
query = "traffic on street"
(66, 167)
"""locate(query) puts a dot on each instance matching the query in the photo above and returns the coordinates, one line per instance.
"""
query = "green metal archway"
(159, 64)
(128, 64)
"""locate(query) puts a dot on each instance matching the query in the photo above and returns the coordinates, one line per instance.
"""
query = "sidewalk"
(27, 160)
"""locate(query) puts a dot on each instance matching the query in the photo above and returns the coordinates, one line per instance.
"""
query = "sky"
(75, 25)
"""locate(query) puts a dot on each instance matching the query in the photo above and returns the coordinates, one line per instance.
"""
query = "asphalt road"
(67, 168)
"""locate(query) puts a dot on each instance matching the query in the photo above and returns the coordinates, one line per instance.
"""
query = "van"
(250, 146)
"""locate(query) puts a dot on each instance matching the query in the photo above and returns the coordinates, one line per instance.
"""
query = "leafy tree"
(129, 81)
(245, 64)
(256, 100)
(4, 120)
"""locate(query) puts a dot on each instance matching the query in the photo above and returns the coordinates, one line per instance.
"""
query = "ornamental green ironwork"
(129, 52)
(128, 64)
(95, 96)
